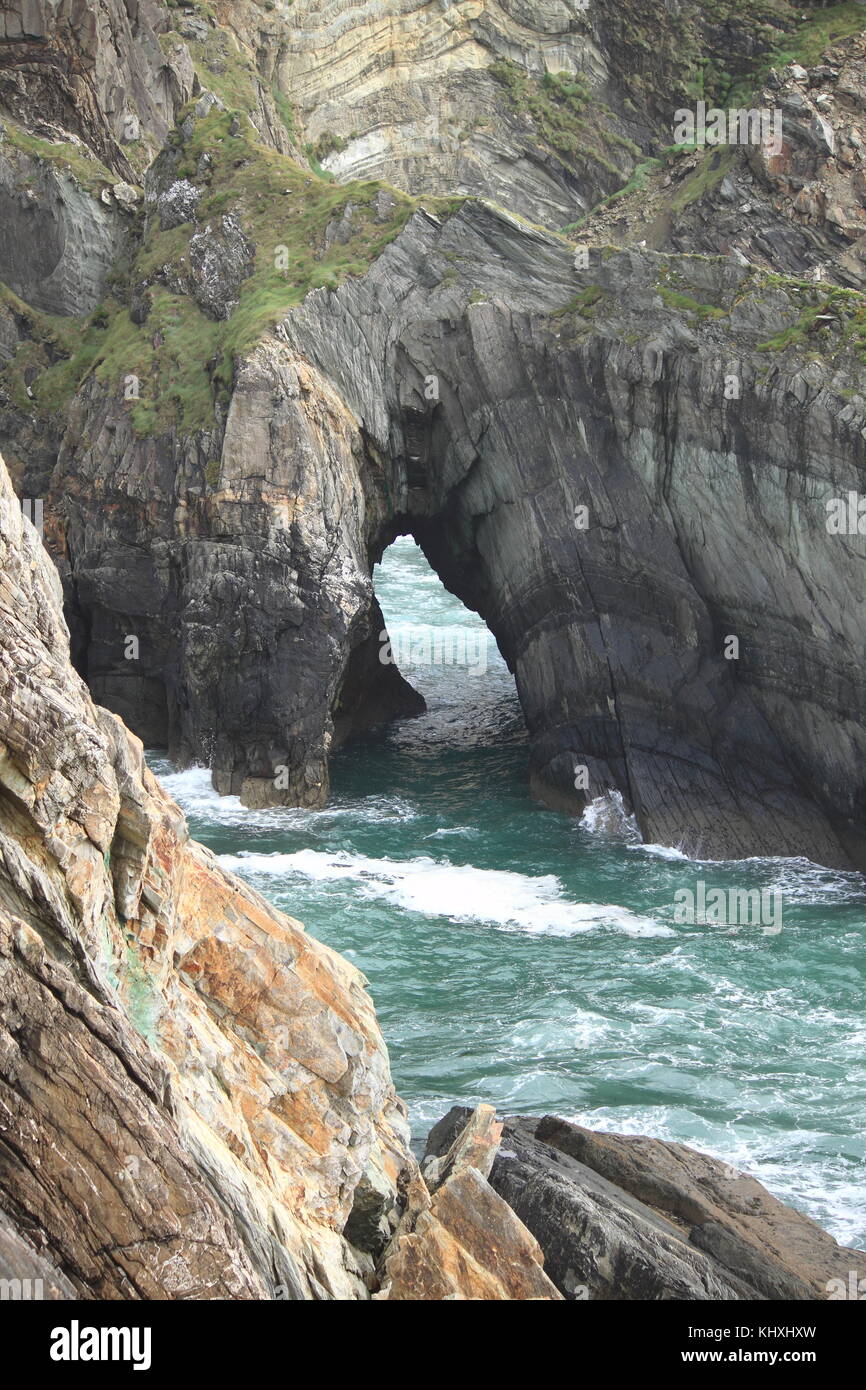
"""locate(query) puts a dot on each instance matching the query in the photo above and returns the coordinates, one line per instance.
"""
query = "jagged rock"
(624, 399)
(126, 195)
(99, 72)
(24, 1273)
(178, 204)
(178, 1060)
(822, 132)
(463, 1241)
(631, 1218)
(703, 216)
(221, 257)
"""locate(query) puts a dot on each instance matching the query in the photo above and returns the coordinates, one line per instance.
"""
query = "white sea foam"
(194, 792)
(606, 816)
(459, 892)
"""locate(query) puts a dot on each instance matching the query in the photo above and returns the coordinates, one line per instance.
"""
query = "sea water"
(528, 959)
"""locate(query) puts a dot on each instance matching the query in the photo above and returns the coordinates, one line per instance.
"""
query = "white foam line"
(461, 892)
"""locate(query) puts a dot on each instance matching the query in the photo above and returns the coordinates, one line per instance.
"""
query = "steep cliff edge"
(195, 1099)
(621, 468)
(195, 1095)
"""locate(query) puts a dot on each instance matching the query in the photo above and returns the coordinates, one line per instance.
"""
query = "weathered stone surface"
(221, 258)
(191, 1089)
(475, 1147)
(794, 206)
(58, 242)
(463, 1242)
(630, 1218)
(95, 70)
(177, 204)
(407, 91)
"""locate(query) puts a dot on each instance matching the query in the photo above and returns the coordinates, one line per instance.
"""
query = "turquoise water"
(521, 957)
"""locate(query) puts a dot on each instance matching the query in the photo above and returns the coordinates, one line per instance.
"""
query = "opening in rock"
(448, 655)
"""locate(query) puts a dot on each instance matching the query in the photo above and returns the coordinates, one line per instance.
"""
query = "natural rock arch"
(475, 389)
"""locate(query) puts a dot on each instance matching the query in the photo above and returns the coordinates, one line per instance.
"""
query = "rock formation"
(799, 209)
(194, 1094)
(195, 1099)
(629, 1218)
(234, 365)
(621, 459)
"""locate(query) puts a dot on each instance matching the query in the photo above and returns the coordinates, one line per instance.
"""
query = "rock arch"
(475, 389)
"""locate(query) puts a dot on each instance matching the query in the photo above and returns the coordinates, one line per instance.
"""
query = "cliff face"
(542, 107)
(799, 209)
(195, 1096)
(621, 459)
(195, 1099)
(705, 520)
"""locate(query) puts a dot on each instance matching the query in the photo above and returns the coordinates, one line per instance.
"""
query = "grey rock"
(823, 134)
(59, 242)
(178, 203)
(221, 257)
(623, 1217)
(688, 493)
(127, 196)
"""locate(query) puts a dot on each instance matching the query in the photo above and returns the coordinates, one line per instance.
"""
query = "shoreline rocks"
(626, 1217)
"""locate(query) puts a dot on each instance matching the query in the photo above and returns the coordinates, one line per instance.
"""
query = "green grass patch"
(556, 103)
(711, 170)
(682, 302)
(185, 361)
(826, 315)
(76, 160)
(805, 45)
(584, 304)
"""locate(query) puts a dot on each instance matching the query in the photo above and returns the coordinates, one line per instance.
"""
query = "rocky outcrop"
(624, 1217)
(457, 1238)
(799, 209)
(543, 108)
(195, 1099)
(192, 1091)
(95, 70)
(59, 241)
